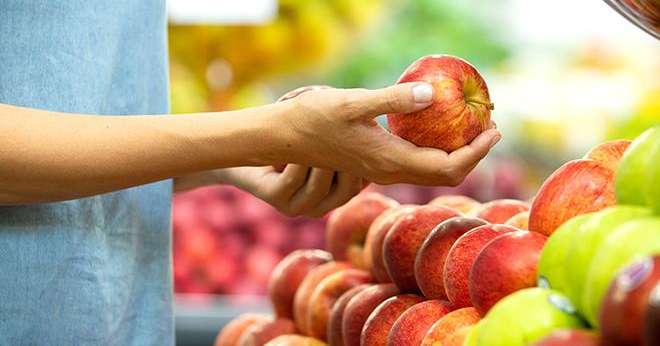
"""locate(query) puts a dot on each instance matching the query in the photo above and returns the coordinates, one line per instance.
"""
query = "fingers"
(345, 187)
(469, 155)
(316, 188)
(291, 180)
(400, 98)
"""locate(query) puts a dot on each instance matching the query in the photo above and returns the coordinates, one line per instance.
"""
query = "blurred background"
(564, 75)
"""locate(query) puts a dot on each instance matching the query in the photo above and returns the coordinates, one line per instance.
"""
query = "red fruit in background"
(411, 327)
(608, 153)
(379, 323)
(520, 220)
(570, 337)
(288, 275)
(461, 105)
(335, 336)
(625, 304)
(199, 244)
(373, 245)
(505, 264)
(221, 270)
(231, 333)
(460, 258)
(347, 226)
(577, 187)
(500, 210)
(430, 259)
(461, 203)
(272, 233)
(652, 318)
(260, 262)
(405, 238)
(259, 333)
(360, 307)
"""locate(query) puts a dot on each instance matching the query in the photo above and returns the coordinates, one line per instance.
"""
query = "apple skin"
(457, 338)
(404, 239)
(526, 316)
(632, 177)
(360, 307)
(628, 242)
(500, 210)
(259, 334)
(461, 203)
(587, 241)
(411, 327)
(473, 334)
(335, 337)
(624, 307)
(326, 294)
(288, 275)
(460, 110)
(460, 258)
(231, 333)
(347, 226)
(373, 246)
(577, 187)
(431, 256)
(506, 264)
(379, 323)
(552, 269)
(570, 337)
(520, 220)
(295, 340)
(306, 288)
(652, 318)
(449, 324)
(608, 153)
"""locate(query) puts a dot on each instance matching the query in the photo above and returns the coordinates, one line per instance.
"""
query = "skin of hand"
(50, 156)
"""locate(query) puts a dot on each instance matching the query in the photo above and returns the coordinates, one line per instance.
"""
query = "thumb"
(400, 98)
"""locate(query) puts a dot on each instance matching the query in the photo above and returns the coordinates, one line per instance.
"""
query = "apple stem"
(490, 105)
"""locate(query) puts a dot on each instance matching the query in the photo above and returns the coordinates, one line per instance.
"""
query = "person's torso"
(95, 270)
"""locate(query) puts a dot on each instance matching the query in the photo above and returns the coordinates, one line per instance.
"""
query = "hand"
(335, 129)
(298, 190)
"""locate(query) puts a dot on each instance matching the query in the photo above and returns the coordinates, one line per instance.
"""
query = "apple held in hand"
(347, 226)
(506, 264)
(461, 107)
(625, 304)
(577, 187)
(377, 327)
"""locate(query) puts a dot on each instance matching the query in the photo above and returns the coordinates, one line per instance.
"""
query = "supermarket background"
(563, 75)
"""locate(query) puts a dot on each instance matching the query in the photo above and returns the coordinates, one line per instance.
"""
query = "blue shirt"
(93, 271)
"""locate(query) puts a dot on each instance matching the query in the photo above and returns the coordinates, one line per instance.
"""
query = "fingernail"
(495, 140)
(423, 93)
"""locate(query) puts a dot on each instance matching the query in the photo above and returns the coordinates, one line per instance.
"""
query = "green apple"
(629, 242)
(552, 263)
(473, 334)
(526, 316)
(633, 175)
(653, 183)
(587, 241)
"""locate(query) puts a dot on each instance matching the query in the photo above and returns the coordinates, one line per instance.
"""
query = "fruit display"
(453, 275)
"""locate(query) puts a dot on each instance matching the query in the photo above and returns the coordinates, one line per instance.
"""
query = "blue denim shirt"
(93, 271)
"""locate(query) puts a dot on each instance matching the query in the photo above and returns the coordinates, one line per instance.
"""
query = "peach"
(295, 340)
(259, 334)
(335, 336)
(457, 338)
(500, 210)
(449, 324)
(231, 333)
(360, 307)
(520, 220)
(379, 323)
(461, 203)
(411, 327)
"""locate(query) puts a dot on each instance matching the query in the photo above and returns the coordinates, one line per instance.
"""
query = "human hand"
(336, 129)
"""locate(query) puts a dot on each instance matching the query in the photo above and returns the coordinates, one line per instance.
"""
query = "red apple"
(335, 336)
(373, 247)
(326, 294)
(520, 220)
(460, 258)
(360, 307)
(288, 275)
(608, 153)
(461, 203)
(347, 226)
(405, 238)
(623, 309)
(570, 337)
(259, 334)
(377, 327)
(306, 288)
(652, 318)
(231, 333)
(506, 264)
(430, 260)
(460, 110)
(577, 187)
(411, 327)
(500, 210)
(449, 324)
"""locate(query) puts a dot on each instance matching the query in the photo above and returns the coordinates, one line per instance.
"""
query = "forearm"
(47, 156)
